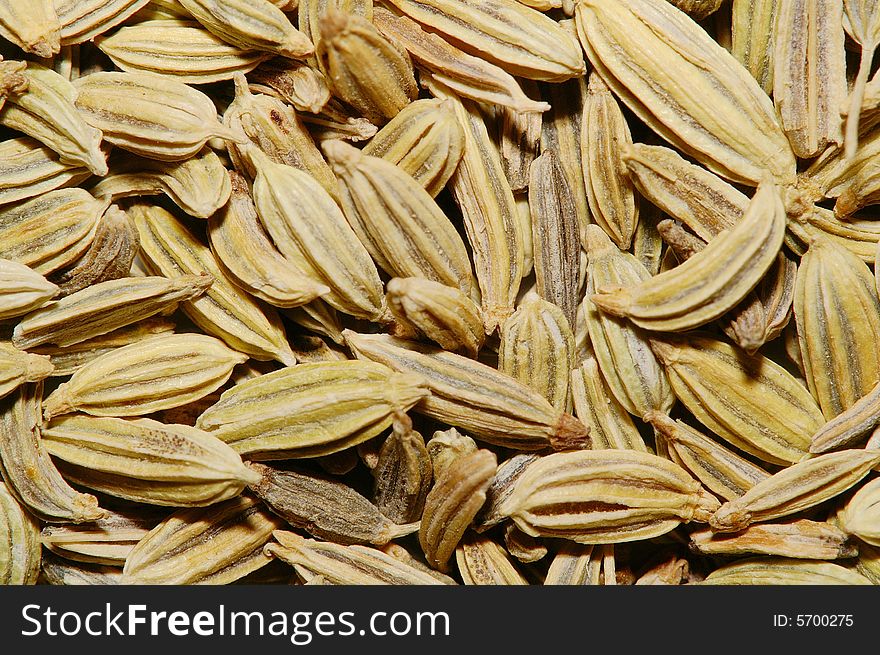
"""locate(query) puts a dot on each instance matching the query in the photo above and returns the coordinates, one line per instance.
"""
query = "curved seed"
(20, 553)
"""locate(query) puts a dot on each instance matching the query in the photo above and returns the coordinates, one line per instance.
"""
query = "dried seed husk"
(469, 395)
(520, 139)
(399, 223)
(605, 496)
(809, 73)
(838, 318)
(554, 227)
(48, 113)
(537, 349)
(443, 314)
(628, 365)
(107, 541)
(671, 571)
(311, 409)
(796, 488)
(28, 169)
(597, 408)
(501, 487)
(213, 545)
(711, 282)
(687, 192)
(161, 372)
(198, 185)
(722, 471)
(445, 447)
(179, 49)
(861, 20)
(22, 289)
(20, 535)
(858, 236)
(346, 565)
(861, 190)
(50, 231)
(753, 34)
(575, 564)
(457, 495)
(244, 251)
(861, 514)
(424, 140)
(33, 26)
(58, 571)
(470, 77)
(109, 256)
(748, 400)
(83, 20)
(18, 367)
(150, 115)
(310, 12)
(12, 79)
(308, 227)
(277, 131)
(224, 311)
(403, 473)
(251, 25)
(801, 539)
(364, 69)
(522, 546)
(27, 468)
(605, 137)
(294, 82)
(481, 561)
(145, 461)
(783, 571)
(68, 359)
(517, 38)
(686, 87)
(561, 133)
(104, 307)
(491, 218)
(324, 507)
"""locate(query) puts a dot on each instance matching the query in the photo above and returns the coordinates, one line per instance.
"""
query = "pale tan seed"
(48, 113)
(520, 139)
(58, 571)
(310, 12)
(796, 488)
(783, 571)
(537, 348)
(575, 564)
(83, 20)
(145, 461)
(722, 471)
(278, 132)
(801, 539)
(686, 87)
(104, 307)
(454, 500)
(628, 365)
(605, 137)
(251, 25)
(27, 468)
(20, 553)
(444, 447)
(347, 565)
(501, 487)
(524, 547)
(294, 82)
(474, 397)
(28, 169)
(517, 38)
(311, 409)
(402, 227)
(597, 408)
(180, 49)
(838, 318)
(481, 561)
(150, 115)
(12, 79)
(469, 76)
(22, 289)
(18, 367)
(153, 374)
(33, 26)
(224, 311)
(217, 545)
(858, 236)
(809, 73)
(753, 33)
(750, 401)
(605, 496)
(861, 514)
